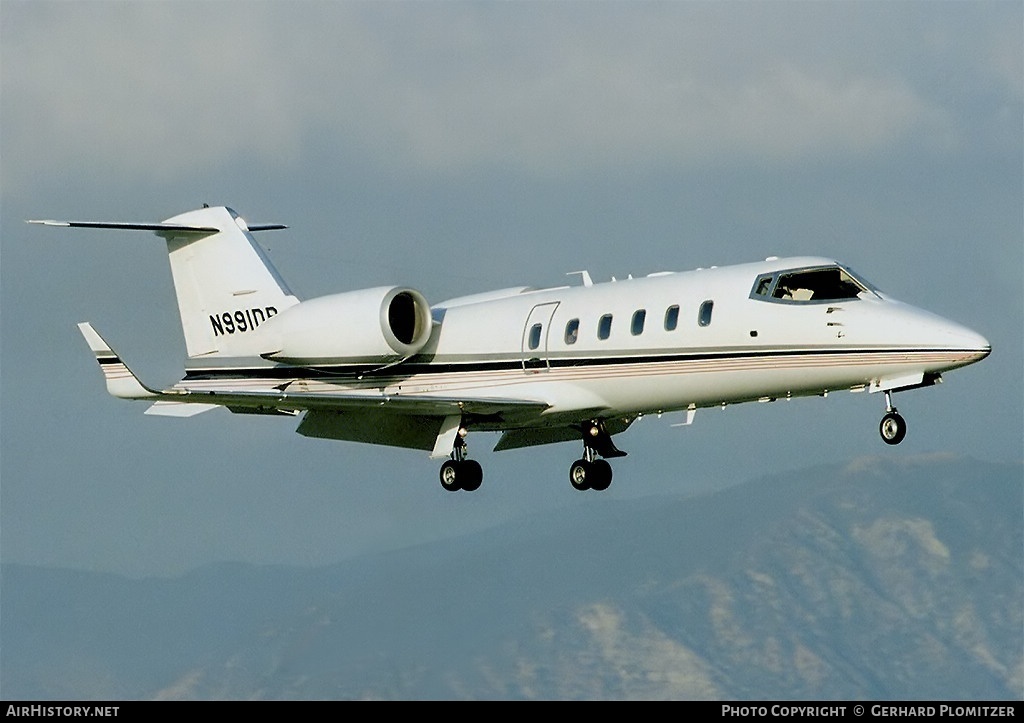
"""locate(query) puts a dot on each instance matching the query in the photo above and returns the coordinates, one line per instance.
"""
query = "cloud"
(147, 90)
(163, 90)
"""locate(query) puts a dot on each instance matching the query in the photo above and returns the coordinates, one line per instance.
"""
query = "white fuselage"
(551, 345)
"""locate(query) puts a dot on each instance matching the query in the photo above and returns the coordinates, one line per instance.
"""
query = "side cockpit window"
(828, 283)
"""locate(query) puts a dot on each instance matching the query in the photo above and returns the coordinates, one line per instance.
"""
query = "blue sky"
(458, 147)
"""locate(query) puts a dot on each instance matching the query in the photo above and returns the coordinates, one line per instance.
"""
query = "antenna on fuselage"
(585, 275)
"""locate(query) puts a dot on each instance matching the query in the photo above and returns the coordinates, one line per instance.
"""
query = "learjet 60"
(579, 362)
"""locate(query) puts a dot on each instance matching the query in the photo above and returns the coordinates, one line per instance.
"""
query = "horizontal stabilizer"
(161, 229)
(121, 382)
(223, 279)
(164, 228)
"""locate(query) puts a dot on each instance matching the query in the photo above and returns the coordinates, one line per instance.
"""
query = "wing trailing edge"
(164, 408)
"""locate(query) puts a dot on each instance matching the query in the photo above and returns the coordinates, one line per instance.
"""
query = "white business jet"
(580, 362)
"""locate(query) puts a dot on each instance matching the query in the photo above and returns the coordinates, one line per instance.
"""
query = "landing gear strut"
(590, 472)
(459, 473)
(893, 427)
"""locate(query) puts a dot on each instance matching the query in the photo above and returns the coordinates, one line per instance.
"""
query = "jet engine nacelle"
(379, 325)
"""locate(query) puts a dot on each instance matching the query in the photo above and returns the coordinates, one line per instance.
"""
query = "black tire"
(600, 475)
(580, 474)
(893, 428)
(472, 475)
(451, 475)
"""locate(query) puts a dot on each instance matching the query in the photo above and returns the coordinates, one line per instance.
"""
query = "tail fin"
(226, 285)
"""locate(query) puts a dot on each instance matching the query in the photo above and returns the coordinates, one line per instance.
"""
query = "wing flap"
(533, 436)
(411, 431)
(178, 409)
(365, 399)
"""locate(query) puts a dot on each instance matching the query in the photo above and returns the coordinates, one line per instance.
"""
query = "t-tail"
(225, 284)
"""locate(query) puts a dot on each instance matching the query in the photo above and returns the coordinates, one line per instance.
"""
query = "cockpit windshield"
(823, 283)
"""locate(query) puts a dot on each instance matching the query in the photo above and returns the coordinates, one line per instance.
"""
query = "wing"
(419, 421)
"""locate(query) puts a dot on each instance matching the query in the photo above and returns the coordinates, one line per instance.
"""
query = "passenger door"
(535, 337)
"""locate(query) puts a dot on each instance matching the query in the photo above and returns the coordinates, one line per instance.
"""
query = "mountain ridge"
(870, 579)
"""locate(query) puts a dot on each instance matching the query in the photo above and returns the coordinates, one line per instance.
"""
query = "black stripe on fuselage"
(412, 368)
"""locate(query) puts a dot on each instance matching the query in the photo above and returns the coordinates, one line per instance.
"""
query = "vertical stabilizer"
(226, 285)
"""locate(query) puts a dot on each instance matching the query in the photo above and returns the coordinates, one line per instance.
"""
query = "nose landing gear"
(893, 427)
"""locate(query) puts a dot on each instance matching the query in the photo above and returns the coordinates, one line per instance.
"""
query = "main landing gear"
(893, 427)
(590, 472)
(459, 473)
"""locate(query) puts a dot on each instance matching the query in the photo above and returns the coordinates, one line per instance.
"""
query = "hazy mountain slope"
(871, 580)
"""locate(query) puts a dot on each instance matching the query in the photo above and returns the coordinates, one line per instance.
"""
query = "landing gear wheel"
(450, 477)
(600, 475)
(473, 475)
(893, 428)
(461, 474)
(580, 474)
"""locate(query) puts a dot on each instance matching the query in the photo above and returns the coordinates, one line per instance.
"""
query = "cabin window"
(636, 327)
(572, 331)
(534, 340)
(704, 315)
(672, 317)
(604, 327)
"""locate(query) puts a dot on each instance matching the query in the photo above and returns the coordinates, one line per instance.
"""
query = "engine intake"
(372, 326)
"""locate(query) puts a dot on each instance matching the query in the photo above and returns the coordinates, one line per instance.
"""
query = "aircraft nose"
(956, 344)
(974, 341)
(960, 338)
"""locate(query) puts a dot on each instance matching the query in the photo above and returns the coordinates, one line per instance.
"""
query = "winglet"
(121, 382)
